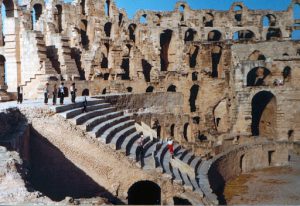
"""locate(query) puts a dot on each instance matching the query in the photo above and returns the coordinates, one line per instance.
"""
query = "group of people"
(59, 92)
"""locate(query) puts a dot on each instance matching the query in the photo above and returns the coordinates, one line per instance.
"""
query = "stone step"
(196, 164)
(129, 142)
(63, 108)
(108, 134)
(186, 181)
(100, 128)
(90, 115)
(133, 149)
(176, 175)
(122, 134)
(78, 111)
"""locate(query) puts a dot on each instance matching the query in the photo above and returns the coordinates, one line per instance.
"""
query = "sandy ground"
(280, 186)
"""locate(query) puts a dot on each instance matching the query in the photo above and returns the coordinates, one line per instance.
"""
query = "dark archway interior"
(82, 4)
(214, 35)
(131, 29)
(244, 35)
(104, 62)
(273, 33)
(83, 32)
(254, 80)
(172, 130)
(189, 35)
(76, 55)
(120, 19)
(106, 76)
(144, 193)
(129, 89)
(181, 201)
(86, 92)
(208, 20)
(171, 88)
(107, 29)
(259, 103)
(193, 96)
(193, 57)
(38, 9)
(59, 17)
(215, 58)
(286, 72)
(165, 39)
(104, 91)
(185, 131)
(9, 8)
(195, 76)
(146, 69)
(125, 66)
(150, 89)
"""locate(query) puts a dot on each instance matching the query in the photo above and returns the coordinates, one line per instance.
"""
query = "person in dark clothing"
(61, 93)
(46, 93)
(140, 150)
(54, 94)
(19, 94)
(84, 109)
(158, 128)
(73, 91)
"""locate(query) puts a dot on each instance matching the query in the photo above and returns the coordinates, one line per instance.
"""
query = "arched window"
(269, 20)
(107, 29)
(36, 14)
(150, 89)
(214, 35)
(238, 8)
(146, 70)
(165, 40)
(208, 20)
(171, 88)
(273, 33)
(129, 89)
(257, 76)
(243, 35)
(131, 29)
(143, 19)
(189, 35)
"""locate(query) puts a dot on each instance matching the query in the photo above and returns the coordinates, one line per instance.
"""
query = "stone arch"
(193, 54)
(85, 92)
(2, 71)
(172, 130)
(143, 19)
(269, 20)
(286, 73)
(150, 89)
(131, 29)
(220, 114)
(107, 29)
(104, 56)
(186, 131)
(273, 33)
(121, 16)
(37, 11)
(82, 5)
(165, 40)
(195, 76)
(144, 193)
(216, 55)
(208, 20)
(214, 35)
(158, 19)
(58, 17)
(263, 114)
(9, 8)
(256, 55)
(146, 70)
(190, 35)
(129, 89)
(243, 35)
(238, 7)
(107, 7)
(238, 10)
(193, 97)
(104, 91)
(171, 88)
(106, 76)
(257, 76)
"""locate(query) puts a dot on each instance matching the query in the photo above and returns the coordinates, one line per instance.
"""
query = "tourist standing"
(84, 105)
(19, 94)
(54, 94)
(140, 149)
(171, 147)
(46, 93)
(61, 93)
(73, 91)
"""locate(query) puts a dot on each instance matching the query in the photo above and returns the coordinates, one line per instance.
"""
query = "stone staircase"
(103, 122)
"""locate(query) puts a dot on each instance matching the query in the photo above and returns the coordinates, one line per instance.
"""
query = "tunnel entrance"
(264, 114)
(144, 193)
(51, 173)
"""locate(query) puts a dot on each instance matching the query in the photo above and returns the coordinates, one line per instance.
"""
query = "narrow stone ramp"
(103, 122)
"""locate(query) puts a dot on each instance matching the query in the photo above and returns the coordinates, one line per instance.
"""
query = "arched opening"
(83, 32)
(158, 19)
(196, 120)
(243, 35)
(186, 132)
(273, 34)
(131, 29)
(286, 73)
(107, 29)
(104, 62)
(189, 35)
(144, 193)
(86, 92)
(181, 10)
(256, 55)
(171, 88)
(104, 91)
(129, 89)
(76, 55)
(193, 97)
(82, 4)
(106, 76)
(104, 56)
(221, 117)
(2, 71)
(150, 89)
(195, 76)
(242, 162)
(165, 39)
(238, 13)
(181, 201)
(59, 17)
(238, 8)
(296, 11)
(208, 20)
(193, 56)
(172, 130)
(257, 76)
(125, 66)
(146, 70)
(269, 20)
(143, 19)
(120, 19)
(214, 35)
(216, 55)
(263, 114)
(107, 8)
(36, 14)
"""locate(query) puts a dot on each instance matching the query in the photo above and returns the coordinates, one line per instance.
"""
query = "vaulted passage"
(165, 39)
(193, 96)
(144, 193)
(264, 114)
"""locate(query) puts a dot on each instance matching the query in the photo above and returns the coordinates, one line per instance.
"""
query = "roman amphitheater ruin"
(222, 84)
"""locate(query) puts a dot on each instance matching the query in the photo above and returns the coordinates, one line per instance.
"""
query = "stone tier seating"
(103, 122)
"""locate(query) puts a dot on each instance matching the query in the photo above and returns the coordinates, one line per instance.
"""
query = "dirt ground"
(280, 186)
